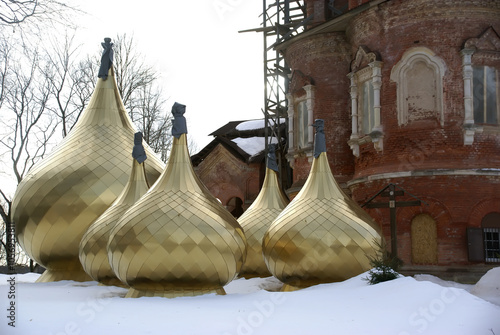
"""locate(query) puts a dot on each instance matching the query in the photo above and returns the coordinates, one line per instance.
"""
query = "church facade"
(410, 95)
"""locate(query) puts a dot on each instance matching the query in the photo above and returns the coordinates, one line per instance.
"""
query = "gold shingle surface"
(177, 239)
(322, 236)
(69, 189)
(256, 221)
(93, 252)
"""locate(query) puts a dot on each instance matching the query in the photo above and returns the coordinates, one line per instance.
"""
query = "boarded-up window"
(424, 240)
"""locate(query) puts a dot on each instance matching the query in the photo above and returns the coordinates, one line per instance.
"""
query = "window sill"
(488, 128)
(294, 153)
(376, 137)
(470, 129)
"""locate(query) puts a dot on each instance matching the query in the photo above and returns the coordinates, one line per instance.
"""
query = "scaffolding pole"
(281, 20)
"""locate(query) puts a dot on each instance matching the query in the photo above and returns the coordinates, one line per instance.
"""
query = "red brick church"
(410, 95)
(232, 165)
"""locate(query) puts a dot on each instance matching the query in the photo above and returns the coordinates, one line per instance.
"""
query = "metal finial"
(179, 123)
(106, 58)
(271, 157)
(138, 151)
(319, 139)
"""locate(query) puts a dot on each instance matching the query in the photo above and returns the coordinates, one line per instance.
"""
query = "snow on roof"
(254, 124)
(252, 145)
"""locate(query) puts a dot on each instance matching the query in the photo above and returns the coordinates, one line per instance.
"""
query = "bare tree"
(42, 90)
(70, 85)
(84, 76)
(4, 66)
(132, 74)
(138, 87)
(26, 126)
(34, 13)
(153, 120)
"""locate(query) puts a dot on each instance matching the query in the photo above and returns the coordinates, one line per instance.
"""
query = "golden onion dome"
(69, 189)
(177, 240)
(322, 236)
(258, 218)
(93, 253)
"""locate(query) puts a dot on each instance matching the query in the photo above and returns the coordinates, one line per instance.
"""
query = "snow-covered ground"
(421, 305)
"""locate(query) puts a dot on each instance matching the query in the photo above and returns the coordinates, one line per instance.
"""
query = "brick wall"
(325, 59)
(226, 176)
(439, 168)
(443, 27)
(455, 202)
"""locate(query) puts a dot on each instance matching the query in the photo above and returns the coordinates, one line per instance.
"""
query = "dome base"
(112, 282)
(296, 285)
(134, 293)
(290, 288)
(70, 272)
(250, 275)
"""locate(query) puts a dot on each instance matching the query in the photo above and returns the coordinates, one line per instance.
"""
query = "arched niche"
(419, 78)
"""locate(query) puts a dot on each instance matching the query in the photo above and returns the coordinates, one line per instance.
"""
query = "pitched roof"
(244, 139)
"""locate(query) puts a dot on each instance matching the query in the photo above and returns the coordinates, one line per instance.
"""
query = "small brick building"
(232, 166)
(410, 95)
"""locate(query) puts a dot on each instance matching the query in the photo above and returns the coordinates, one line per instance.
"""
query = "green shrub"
(385, 266)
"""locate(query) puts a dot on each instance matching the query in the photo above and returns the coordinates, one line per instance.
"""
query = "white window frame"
(486, 45)
(371, 72)
(293, 131)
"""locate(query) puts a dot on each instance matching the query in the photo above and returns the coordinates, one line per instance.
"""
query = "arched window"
(235, 206)
(484, 243)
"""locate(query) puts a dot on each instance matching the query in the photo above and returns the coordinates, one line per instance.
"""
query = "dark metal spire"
(179, 126)
(106, 58)
(319, 138)
(138, 151)
(271, 157)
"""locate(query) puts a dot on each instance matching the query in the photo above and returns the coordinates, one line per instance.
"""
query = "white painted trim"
(427, 173)
(398, 75)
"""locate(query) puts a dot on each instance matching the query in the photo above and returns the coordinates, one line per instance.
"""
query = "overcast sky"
(203, 61)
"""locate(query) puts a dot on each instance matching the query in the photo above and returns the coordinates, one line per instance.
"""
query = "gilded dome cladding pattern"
(70, 188)
(321, 236)
(257, 219)
(93, 253)
(176, 240)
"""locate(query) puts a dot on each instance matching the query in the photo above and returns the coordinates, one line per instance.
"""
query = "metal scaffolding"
(281, 20)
